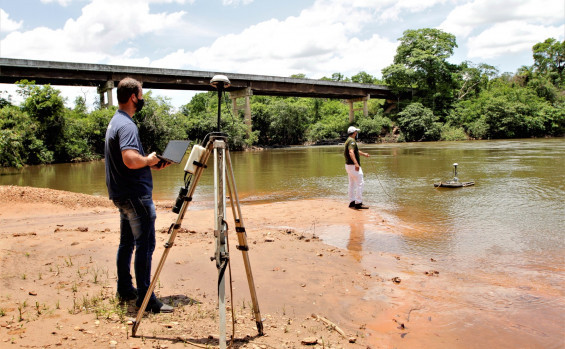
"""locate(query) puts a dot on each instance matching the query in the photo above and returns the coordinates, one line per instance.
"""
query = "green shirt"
(351, 144)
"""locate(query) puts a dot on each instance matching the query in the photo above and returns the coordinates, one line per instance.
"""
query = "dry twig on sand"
(331, 324)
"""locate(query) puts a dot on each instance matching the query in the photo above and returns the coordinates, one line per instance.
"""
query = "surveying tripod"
(217, 144)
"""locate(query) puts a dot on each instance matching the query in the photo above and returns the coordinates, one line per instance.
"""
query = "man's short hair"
(127, 87)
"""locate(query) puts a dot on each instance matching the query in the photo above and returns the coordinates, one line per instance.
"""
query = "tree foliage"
(45, 105)
(19, 142)
(549, 60)
(418, 123)
(421, 63)
(444, 102)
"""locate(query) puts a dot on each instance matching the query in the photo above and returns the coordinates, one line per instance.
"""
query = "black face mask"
(139, 105)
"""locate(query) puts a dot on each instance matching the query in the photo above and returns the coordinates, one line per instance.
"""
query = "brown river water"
(500, 243)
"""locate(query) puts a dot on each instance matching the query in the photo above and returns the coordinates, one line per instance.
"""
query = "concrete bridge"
(106, 77)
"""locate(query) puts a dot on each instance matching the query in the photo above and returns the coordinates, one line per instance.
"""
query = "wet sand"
(57, 277)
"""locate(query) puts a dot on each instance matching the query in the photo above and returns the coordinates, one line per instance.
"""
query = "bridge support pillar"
(352, 109)
(243, 93)
(106, 88)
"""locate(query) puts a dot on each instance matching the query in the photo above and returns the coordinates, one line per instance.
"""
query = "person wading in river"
(354, 171)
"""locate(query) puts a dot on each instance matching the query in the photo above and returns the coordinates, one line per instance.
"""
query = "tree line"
(445, 101)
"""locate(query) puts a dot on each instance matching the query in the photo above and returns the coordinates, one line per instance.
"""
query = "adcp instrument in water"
(453, 183)
(214, 143)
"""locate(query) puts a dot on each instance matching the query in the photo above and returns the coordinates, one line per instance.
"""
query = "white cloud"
(509, 38)
(65, 3)
(105, 29)
(182, 2)
(392, 10)
(326, 37)
(60, 2)
(8, 25)
(474, 15)
(236, 2)
(494, 28)
(320, 41)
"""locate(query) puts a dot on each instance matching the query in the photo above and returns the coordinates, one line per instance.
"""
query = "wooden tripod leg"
(242, 240)
(173, 230)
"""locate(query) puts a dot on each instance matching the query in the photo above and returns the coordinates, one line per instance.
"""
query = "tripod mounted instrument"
(215, 147)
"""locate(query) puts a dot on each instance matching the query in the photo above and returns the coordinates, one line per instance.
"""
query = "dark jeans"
(137, 229)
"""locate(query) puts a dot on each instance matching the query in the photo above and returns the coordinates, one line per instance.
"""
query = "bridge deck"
(83, 74)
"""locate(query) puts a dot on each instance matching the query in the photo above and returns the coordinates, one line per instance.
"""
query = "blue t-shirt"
(122, 182)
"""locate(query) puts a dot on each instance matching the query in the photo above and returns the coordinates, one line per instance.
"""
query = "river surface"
(510, 225)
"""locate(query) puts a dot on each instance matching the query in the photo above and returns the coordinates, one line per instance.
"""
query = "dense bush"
(373, 128)
(505, 110)
(451, 133)
(19, 144)
(418, 123)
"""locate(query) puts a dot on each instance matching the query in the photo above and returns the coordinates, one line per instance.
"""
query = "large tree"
(45, 104)
(421, 63)
(549, 60)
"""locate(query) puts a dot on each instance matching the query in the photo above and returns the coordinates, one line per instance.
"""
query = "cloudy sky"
(271, 37)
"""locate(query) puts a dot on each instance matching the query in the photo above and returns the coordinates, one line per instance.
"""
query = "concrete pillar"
(106, 88)
(109, 94)
(233, 105)
(243, 93)
(248, 112)
(352, 110)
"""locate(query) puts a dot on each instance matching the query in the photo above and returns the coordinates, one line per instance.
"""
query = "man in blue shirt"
(130, 187)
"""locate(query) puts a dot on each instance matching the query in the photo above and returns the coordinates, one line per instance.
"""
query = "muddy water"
(498, 246)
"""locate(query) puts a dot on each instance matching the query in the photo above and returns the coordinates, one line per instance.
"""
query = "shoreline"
(58, 281)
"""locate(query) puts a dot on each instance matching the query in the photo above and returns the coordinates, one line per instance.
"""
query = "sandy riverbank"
(57, 277)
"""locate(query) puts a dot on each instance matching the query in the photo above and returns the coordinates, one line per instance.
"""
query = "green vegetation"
(440, 101)
(452, 102)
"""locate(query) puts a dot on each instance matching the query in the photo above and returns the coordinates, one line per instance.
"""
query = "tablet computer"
(174, 152)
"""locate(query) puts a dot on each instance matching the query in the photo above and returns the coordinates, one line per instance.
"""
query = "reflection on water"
(509, 226)
(356, 237)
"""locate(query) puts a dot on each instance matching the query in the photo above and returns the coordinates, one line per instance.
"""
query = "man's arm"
(354, 159)
(352, 156)
(134, 160)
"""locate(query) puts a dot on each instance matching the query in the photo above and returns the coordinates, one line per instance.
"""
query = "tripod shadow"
(182, 300)
(173, 300)
(208, 341)
(179, 300)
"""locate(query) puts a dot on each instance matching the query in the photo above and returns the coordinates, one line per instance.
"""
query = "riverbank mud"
(57, 277)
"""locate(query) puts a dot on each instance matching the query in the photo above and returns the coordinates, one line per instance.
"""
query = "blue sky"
(270, 37)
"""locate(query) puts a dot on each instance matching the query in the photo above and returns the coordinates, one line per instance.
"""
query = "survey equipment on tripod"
(214, 145)
(220, 82)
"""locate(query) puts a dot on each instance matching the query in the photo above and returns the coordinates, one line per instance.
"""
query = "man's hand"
(161, 165)
(133, 160)
(152, 159)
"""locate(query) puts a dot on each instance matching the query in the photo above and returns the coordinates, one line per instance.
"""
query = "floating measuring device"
(453, 183)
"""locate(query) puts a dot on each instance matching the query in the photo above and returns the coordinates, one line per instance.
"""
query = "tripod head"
(220, 82)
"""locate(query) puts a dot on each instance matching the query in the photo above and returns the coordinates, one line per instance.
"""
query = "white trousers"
(356, 184)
